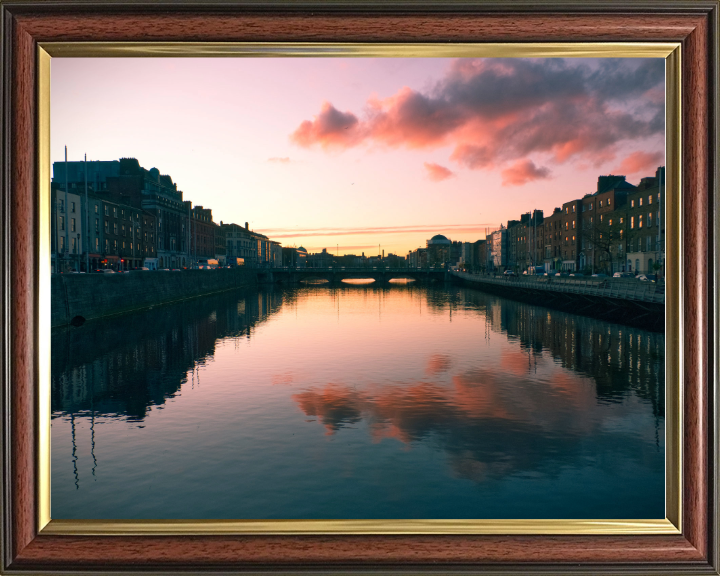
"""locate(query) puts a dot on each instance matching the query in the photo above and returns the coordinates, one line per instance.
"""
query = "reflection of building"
(122, 367)
(618, 358)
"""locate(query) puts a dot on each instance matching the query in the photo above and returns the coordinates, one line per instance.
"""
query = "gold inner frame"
(671, 524)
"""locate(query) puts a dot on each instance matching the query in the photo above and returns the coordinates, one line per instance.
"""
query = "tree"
(598, 237)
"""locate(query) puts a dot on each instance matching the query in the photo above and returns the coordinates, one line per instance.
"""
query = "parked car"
(600, 275)
(577, 274)
(561, 274)
(509, 273)
(178, 269)
(108, 271)
(647, 277)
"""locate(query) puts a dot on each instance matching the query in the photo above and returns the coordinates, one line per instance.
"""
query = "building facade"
(240, 245)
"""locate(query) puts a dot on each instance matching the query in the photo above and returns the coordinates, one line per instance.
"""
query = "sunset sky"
(351, 153)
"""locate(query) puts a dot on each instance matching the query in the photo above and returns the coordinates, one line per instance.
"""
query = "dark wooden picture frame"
(694, 24)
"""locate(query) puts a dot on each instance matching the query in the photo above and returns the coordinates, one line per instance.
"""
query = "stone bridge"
(337, 274)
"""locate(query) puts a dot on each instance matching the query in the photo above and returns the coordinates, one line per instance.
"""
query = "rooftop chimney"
(246, 226)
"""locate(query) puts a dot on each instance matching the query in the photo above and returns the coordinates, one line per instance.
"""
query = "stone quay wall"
(632, 302)
(91, 296)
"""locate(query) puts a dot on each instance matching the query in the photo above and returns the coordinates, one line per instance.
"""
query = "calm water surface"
(357, 402)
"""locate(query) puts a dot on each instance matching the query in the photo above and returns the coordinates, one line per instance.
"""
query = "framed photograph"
(490, 345)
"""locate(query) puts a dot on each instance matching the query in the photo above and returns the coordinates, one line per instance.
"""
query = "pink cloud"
(522, 172)
(640, 162)
(277, 160)
(437, 173)
(497, 111)
(329, 129)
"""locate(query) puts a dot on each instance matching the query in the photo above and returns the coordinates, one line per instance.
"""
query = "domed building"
(439, 240)
(438, 250)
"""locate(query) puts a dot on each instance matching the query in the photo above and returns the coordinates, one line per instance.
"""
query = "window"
(648, 243)
(114, 212)
(567, 211)
(573, 225)
(114, 246)
(107, 245)
(97, 243)
(650, 199)
(97, 226)
(601, 217)
(123, 245)
(640, 221)
(658, 197)
(649, 219)
(107, 227)
(122, 214)
(96, 208)
(115, 229)
(632, 203)
(106, 211)
(62, 243)
(600, 204)
(61, 205)
(621, 233)
(123, 229)
(591, 219)
(632, 221)
(72, 206)
(640, 201)
(608, 201)
(573, 208)
(622, 220)
(610, 222)
(72, 224)
(591, 205)
(573, 238)
(62, 222)
(619, 248)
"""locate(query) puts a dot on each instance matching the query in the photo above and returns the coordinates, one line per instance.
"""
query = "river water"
(353, 402)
